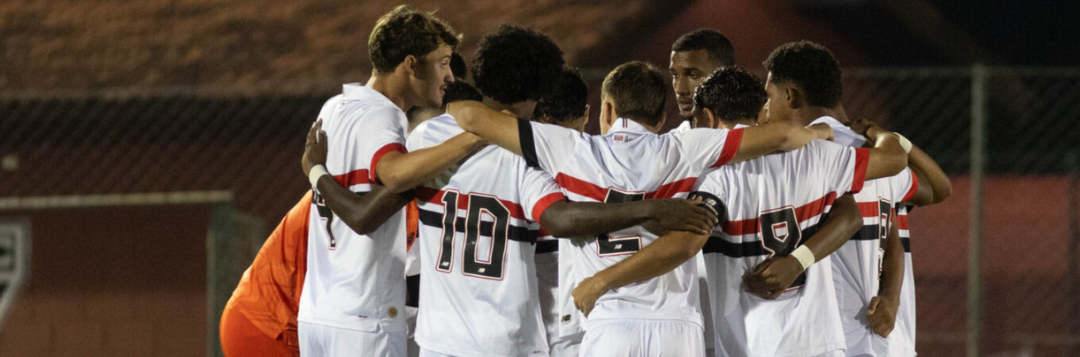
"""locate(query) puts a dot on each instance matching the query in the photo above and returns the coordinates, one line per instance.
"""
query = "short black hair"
(459, 90)
(458, 67)
(567, 101)
(811, 67)
(516, 64)
(404, 32)
(731, 93)
(638, 90)
(715, 43)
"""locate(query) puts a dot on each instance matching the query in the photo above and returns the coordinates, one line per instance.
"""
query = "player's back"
(773, 204)
(356, 281)
(269, 291)
(477, 236)
(630, 163)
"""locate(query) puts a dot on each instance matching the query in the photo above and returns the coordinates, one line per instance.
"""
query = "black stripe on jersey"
(547, 246)
(528, 147)
(519, 234)
(907, 244)
(870, 232)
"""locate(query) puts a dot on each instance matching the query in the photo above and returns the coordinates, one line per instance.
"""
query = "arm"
(659, 257)
(760, 140)
(881, 314)
(933, 176)
(924, 194)
(362, 213)
(887, 157)
(770, 278)
(401, 172)
(579, 219)
(494, 126)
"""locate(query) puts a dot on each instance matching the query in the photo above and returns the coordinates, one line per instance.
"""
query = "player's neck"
(808, 114)
(392, 88)
(520, 109)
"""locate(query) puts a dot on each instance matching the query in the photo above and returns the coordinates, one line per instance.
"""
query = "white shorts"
(624, 337)
(320, 340)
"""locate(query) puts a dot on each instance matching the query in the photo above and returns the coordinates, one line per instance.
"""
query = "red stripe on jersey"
(379, 155)
(914, 187)
(356, 177)
(731, 146)
(862, 157)
(581, 187)
(431, 195)
(543, 204)
(669, 190)
(802, 213)
(868, 209)
(901, 221)
(593, 191)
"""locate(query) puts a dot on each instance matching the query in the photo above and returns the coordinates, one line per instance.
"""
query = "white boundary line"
(126, 199)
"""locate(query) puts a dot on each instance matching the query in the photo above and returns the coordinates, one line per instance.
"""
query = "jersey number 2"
(609, 246)
(497, 229)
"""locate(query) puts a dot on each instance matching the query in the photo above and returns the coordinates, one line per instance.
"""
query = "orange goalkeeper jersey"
(269, 291)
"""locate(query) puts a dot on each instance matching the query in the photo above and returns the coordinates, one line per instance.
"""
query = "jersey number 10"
(498, 229)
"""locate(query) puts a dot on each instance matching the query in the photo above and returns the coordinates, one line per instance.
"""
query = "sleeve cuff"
(862, 158)
(914, 187)
(379, 155)
(731, 146)
(543, 204)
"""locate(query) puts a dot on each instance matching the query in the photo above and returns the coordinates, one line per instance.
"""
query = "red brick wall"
(125, 281)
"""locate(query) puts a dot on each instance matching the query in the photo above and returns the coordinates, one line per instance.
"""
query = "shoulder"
(437, 128)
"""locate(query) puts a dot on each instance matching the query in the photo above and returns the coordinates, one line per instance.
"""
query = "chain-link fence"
(1027, 300)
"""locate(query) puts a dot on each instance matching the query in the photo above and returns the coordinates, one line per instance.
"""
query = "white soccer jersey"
(857, 264)
(478, 292)
(356, 281)
(901, 341)
(630, 163)
(773, 204)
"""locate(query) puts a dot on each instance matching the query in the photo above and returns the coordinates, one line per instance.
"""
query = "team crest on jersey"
(14, 251)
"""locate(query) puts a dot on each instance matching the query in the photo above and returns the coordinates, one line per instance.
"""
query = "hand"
(586, 294)
(770, 278)
(823, 131)
(882, 314)
(682, 215)
(315, 148)
(866, 128)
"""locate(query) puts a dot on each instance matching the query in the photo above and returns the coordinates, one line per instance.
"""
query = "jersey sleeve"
(904, 185)
(842, 168)
(707, 148)
(538, 192)
(380, 132)
(548, 147)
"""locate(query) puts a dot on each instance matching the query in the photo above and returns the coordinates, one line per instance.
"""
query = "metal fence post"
(979, 74)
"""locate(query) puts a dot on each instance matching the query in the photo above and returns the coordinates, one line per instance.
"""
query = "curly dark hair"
(567, 101)
(715, 43)
(811, 67)
(459, 90)
(731, 93)
(638, 90)
(458, 67)
(516, 64)
(404, 32)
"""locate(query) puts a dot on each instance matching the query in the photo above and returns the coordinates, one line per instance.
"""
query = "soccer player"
(630, 162)
(773, 210)
(806, 75)
(694, 56)
(354, 291)
(566, 106)
(478, 295)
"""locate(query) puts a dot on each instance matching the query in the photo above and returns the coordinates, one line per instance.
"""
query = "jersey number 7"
(498, 229)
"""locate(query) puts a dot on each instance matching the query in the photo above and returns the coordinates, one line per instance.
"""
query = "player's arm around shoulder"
(760, 140)
(494, 126)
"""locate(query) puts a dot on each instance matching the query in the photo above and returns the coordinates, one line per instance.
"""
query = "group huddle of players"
(485, 213)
